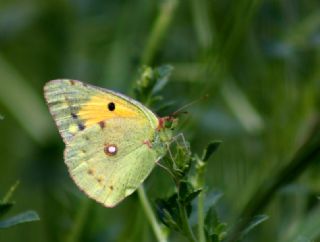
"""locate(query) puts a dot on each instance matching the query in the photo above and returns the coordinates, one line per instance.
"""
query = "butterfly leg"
(181, 136)
(174, 148)
(179, 141)
(158, 162)
(178, 144)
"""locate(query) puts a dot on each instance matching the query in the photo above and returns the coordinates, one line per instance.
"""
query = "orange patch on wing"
(96, 109)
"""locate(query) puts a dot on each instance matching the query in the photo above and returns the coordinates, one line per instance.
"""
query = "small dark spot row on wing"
(90, 171)
(81, 126)
(100, 180)
(102, 124)
(74, 116)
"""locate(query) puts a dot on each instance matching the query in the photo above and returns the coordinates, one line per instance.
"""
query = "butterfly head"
(167, 122)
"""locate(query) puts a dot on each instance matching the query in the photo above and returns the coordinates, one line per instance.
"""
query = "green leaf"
(9, 194)
(211, 221)
(151, 82)
(187, 193)
(168, 220)
(210, 149)
(214, 229)
(257, 220)
(181, 158)
(168, 212)
(25, 217)
(163, 74)
(146, 79)
(192, 195)
(5, 207)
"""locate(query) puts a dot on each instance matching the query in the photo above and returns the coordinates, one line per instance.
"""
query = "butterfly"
(112, 141)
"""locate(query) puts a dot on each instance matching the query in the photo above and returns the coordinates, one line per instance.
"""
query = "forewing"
(76, 106)
(110, 178)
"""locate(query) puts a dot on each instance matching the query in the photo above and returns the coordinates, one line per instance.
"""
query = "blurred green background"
(259, 61)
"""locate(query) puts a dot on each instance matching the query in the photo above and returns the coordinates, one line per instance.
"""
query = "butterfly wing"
(109, 178)
(108, 151)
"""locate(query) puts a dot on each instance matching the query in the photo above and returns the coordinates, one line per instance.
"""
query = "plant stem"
(80, 219)
(159, 30)
(161, 237)
(200, 183)
(186, 227)
(201, 234)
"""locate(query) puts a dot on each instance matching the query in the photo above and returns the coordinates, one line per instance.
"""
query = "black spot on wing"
(111, 106)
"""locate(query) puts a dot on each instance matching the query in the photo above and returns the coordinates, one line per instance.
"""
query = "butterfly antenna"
(180, 110)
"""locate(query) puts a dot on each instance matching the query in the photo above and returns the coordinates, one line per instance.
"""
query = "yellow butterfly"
(112, 141)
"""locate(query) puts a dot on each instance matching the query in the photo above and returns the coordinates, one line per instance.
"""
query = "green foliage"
(187, 172)
(209, 150)
(214, 229)
(175, 210)
(150, 83)
(28, 216)
(6, 205)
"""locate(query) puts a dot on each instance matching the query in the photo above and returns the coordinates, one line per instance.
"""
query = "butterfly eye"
(111, 106)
